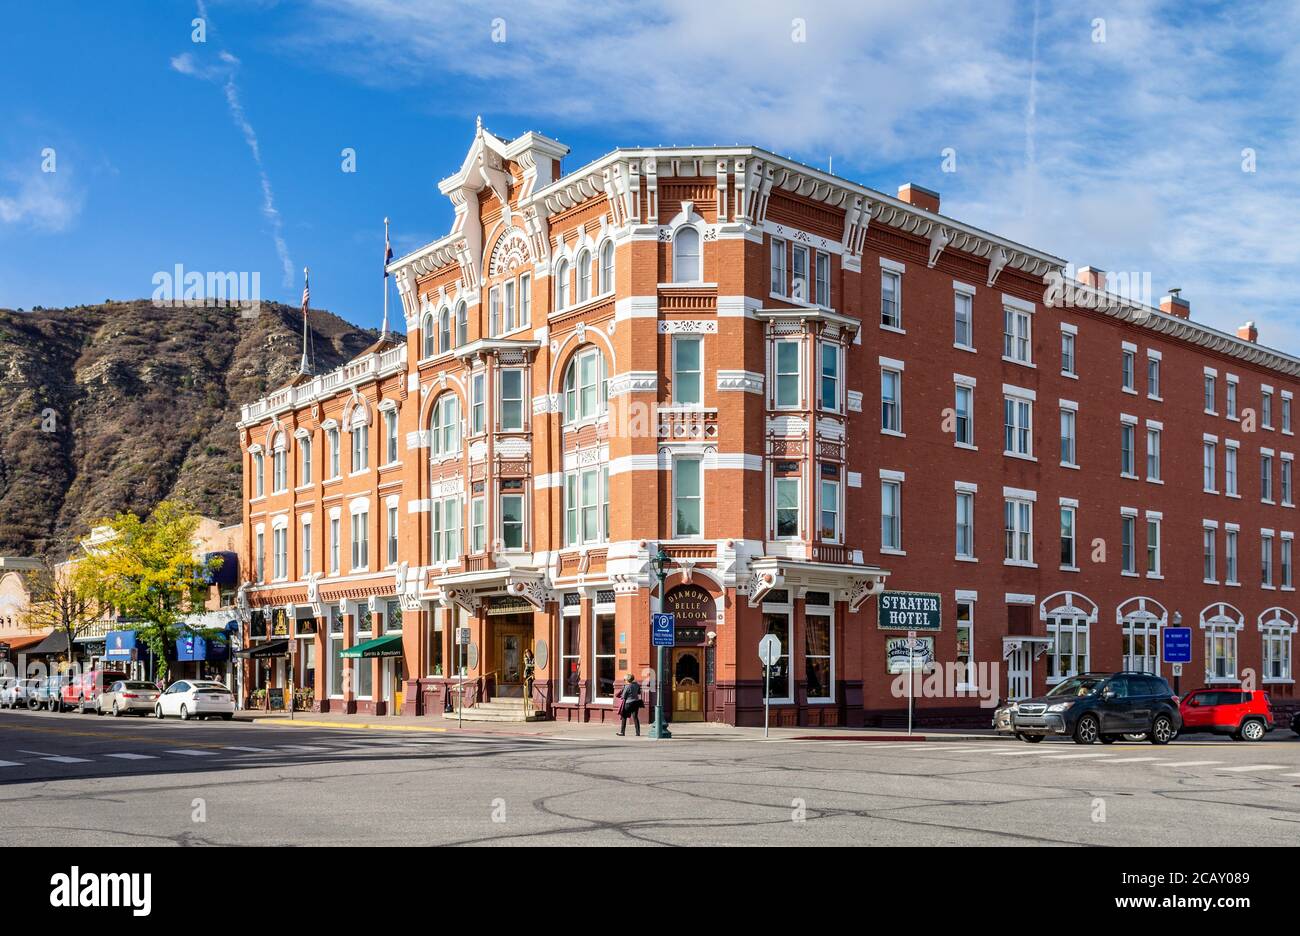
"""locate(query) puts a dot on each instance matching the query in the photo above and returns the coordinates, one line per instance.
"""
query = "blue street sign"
(663, 628)
(1176, 645)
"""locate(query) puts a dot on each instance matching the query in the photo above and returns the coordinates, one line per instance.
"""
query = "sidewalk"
(691, 731)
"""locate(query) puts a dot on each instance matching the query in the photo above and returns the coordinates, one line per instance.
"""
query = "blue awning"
(120, 645)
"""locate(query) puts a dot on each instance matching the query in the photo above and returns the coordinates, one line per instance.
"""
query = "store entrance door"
(511, 637)
(1019, 673)
(688, 684)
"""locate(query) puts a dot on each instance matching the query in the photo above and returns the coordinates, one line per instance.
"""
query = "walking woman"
(629, 704)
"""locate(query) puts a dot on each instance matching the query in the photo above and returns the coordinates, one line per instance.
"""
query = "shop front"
(691, 664)
(201, 649)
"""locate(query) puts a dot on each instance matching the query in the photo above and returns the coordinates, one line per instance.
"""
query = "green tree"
(147, 568)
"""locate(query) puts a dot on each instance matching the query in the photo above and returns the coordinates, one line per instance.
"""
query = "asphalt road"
(80, 780)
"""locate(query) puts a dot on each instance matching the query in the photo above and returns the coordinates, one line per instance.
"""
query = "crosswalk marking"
(1013, 753)
(1253, 767)
(1073, 756)
(67, 760)
(192, 753)
(248, 750)
(1132, 760)
(9, 763)
(1190, 763)
(302, 748)
(133, 756)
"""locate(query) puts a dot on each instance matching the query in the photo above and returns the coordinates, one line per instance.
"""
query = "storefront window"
(779, 624)
(393, 617)
(818, 661)
(604, 658)
(362, 670)
(570, 657)
(435, 635)
(335, 650)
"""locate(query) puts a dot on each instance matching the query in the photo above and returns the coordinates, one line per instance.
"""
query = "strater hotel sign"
(917, 611)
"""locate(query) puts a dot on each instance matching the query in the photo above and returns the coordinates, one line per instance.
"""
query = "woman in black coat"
(629, 705)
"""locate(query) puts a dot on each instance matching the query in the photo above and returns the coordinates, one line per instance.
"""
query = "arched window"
(462, 324)
(1068, 616)
(1221, 622)
(279, 464)
(428, 336)
(586, 387)
(259, 474)
(562, 285)
(360, 433)
(444, 329)
(1278, 625)
(686, 255)
(1140, 620)
(607, 267)
(584, 275)
(445, 428)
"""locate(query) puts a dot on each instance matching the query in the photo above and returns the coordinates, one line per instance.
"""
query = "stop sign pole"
(769, 651)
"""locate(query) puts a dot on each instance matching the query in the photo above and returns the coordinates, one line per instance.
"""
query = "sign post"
(663, 632)
(462, 640)
(769, 651)
(1176, 649)
(911, 677)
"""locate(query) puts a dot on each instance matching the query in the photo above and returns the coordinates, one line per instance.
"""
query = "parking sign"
(663, 629)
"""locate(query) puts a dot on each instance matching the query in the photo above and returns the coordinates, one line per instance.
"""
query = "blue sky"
(1111, 134)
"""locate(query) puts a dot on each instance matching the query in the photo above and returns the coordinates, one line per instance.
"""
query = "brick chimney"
(1248, 332)
(1174, 304)
(1091, 276)
(924, 198)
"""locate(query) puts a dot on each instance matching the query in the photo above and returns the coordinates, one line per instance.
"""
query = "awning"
(56, 642)
(24, 643)
(390, 646)
(275, 648)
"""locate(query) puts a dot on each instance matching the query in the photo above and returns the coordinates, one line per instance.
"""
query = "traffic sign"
(1176, 645)
(769, 650)
(663, 628)
(462, 636)
(1178, 669)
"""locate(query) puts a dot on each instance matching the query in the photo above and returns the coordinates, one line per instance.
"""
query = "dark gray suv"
(1101, 707)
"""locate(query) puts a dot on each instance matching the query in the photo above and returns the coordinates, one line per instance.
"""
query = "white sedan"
(194, 698)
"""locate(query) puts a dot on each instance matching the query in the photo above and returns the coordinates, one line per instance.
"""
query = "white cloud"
(1124, 154)
(45, 201)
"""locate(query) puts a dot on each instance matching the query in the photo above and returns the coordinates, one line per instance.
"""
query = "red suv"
(1245, 714)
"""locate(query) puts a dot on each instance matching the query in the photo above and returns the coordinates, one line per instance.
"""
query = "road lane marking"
(10, 763)
(1133, 760)
(250, 750)
(1013, 753)
(1253, 767)
(62, 759)
(1191, 763)
(1285, 774)
(302, 748)
(133, 756)
(1074, 756)
(188, 752)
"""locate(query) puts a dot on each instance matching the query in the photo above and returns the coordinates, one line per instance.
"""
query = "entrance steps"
(498, 709)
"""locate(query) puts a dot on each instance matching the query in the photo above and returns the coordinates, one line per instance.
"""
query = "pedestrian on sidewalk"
(629, 704)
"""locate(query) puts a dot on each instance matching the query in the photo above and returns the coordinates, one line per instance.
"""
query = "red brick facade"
(551, 451)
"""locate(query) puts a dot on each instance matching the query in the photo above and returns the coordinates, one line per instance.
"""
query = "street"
(79, 780)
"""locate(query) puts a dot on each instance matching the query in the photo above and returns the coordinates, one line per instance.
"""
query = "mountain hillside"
(114, 407)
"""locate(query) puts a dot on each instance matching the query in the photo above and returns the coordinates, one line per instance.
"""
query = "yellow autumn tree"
(147, 569)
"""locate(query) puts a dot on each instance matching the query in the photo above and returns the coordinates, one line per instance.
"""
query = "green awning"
(390, 646)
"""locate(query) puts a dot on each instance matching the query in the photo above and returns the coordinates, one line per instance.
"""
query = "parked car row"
(184, 699)
(1105, 707)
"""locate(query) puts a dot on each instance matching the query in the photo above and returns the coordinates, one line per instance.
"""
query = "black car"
(1101, 707)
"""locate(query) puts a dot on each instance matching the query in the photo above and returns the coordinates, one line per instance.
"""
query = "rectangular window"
(830, 511)
(1067, 654)
(305, 445)
(1069, 556)
(1286, 562)
(1127, 365)
(390, 436)
(964, 423)
(392, 535)
(512, 521)
(333, 436)
(1207, 466)
(786, 508)
(280, 553)
(1220, 653)
(1229, 470)
(961, 320)
(362, 670)
(823, 279)
(1153, 546)
(830, 386)
(1266, 409)
(965, 525)
(570, 657)
(1153, 377)
(779, 688)
(451, 529)
(818, 659)
(477, 404)
(1016, 335)
(1232, 399)
(1266, 560)
(1126, 455)
(1017, 422)
(360, 541)
(1209, 562)
(508, 305)
(891, 400)
(1127, 546)
(788, 395)
(799, 274)
(1286, 413)
(1277, 653)
(1286, 480)
(1230, 556)
(688, 381)
(525, 300)
(1067, 354)
(965, 643)
(306, 547)
(336, 546)
(336, 652)
(891, 307)
(891, 515)
(603, 660)
(687, 497)
(1266, 478)
(1068, 442)
(360, 447)
(259, 557)
(1018, 517)
(478, 524)
(778, 267)
(1153, 454)
(512, 400)
(1209, 393)
(259, 475)
(494, 306)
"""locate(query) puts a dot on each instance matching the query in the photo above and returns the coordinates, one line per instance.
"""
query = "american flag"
(306, 292)
(388, 250)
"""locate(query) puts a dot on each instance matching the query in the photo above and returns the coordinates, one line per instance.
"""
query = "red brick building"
(802, 391)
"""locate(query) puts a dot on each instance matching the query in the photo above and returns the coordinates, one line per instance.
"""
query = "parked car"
(195, 698)
(1295, 721)
(81, 692)
(1101, 707)
(125, 696)
(14, 691)
(1245, 714)
(1002, 718)
(48, 693)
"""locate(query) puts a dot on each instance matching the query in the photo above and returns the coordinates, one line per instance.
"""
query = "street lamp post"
(660, 565)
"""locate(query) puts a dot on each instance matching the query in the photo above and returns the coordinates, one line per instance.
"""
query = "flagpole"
(388, 255)
(305, 366)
